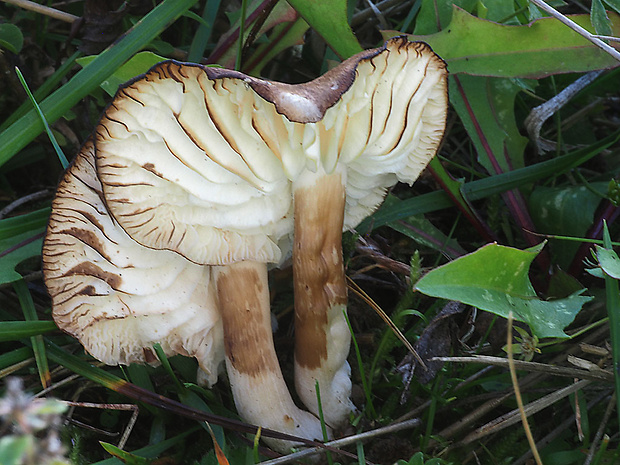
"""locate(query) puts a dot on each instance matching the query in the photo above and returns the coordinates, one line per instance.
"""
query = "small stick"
(132, 421)
(345, 441)
(45, 10)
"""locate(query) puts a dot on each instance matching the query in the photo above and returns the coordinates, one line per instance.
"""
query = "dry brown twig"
(44, 10)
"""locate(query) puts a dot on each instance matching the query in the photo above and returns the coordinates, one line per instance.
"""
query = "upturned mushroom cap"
(201, 160)
(116, 296)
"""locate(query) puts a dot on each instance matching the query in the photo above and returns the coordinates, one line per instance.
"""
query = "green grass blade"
(360, 363)
(50, 134)
(612, 295)
(203, 34)
(486, 187)
(43, 91)
(24, 130)
(15, 330)
(38, 346)
(153, 450)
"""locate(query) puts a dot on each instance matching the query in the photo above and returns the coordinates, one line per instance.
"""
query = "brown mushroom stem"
(322, 336)
(261, 395)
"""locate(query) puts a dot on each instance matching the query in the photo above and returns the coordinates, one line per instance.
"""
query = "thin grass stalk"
(328, 454)
(360, 363)
(59, 153)
(518, 398)
(612, 297)
(38, 345)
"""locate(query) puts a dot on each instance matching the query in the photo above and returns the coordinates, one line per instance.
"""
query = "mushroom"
(220, 175)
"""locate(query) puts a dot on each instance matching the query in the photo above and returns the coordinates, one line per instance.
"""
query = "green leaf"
(599, 19)
(17, 249)
(567, 211)
(11, 38)
(486, 187)
(14, 448)
(609, 261)
(614, 4)
(485, 48)
(138, 64)
(126, 457)
(329, 20)
(495, 278)
(486, 107)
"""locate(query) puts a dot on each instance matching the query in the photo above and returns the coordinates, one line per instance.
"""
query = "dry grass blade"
(519, 399)
(513, 417)
(372, 304)
(594, 375)
(44, 10)
(129, 407)
(346, 441)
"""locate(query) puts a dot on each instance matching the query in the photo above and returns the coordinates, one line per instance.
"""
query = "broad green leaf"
(11, 38)
(486, 107)
(15, 250)
(495, 278)
(15, 330)
(25, 129)
(485, 48)
(566, 211)
(138, 64)
(329, 20)
(609, 261)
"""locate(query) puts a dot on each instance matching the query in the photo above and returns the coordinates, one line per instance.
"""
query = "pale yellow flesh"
(322, 337)
(261, 395)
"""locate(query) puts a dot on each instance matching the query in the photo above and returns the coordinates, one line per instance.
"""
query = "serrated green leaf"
(485, 48)
(486, 108)
(495, 278)
(11, 38)
(138, 64)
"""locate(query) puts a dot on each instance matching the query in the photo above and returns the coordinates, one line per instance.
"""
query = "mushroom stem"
(322, 337)
(261, 395)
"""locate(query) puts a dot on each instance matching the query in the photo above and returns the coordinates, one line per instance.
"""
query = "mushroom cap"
(116, 296)
(203, 161)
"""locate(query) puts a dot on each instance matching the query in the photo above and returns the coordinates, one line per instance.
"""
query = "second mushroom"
(220, 175)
